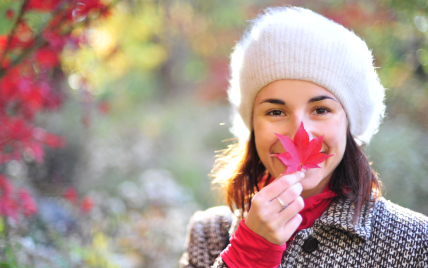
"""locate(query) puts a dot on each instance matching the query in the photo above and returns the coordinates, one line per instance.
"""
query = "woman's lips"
(323, 152)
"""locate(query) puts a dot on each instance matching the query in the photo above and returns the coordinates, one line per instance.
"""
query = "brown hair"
(239, 169)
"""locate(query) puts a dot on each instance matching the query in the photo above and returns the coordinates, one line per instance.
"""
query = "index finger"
(282, 183)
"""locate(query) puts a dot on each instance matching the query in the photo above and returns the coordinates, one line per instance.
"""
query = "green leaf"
(1, 225)
(6, 24)
(37, 20)
(4, 265)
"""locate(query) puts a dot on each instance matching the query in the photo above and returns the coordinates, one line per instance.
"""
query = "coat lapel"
(339, 215)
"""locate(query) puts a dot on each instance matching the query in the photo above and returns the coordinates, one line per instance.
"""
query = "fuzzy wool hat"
(298, 44)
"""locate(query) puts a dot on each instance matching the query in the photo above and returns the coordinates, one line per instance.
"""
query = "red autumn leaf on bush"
(24, 34)
(301, 153)
(43, 5)
(86, 205)
(18, 136)
(104, 107)
(27, 203)
(9, 14)
(71, 195)
(6, 188)
(47, 58)
(8, 206)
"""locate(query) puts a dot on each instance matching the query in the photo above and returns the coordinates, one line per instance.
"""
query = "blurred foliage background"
(159, 71)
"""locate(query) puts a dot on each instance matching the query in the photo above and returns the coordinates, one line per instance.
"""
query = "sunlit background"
(159, 70)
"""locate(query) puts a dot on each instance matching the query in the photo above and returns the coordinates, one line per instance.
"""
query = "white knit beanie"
(298, 44)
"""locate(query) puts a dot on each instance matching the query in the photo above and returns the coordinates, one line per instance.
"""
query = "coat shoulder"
(207, 236)
(389, 213)
(402, 230)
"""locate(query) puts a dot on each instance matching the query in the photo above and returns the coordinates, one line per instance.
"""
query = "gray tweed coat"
(386, 235)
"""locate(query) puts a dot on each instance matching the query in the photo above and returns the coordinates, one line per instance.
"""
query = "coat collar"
(340, 213)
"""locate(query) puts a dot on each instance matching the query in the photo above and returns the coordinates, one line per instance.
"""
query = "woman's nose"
(294, 125)
(310, 130)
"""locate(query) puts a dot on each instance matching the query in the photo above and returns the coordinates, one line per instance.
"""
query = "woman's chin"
(314, 182)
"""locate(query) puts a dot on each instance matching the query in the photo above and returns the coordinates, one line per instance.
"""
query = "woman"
(295, 67)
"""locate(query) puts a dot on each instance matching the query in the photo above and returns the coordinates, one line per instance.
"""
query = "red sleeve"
(247, 249)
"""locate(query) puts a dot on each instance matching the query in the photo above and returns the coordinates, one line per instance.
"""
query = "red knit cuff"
(248, 249)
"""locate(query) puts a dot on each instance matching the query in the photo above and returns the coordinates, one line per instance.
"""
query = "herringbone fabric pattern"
(386, 235)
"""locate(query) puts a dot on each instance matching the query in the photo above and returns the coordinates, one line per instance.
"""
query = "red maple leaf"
(301, 153)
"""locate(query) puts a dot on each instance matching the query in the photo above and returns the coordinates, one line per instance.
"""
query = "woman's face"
(280, 107)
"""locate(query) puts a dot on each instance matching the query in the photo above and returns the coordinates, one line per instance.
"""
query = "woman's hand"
(266, 216)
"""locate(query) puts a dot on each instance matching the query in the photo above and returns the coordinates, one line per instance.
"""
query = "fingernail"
(301, 174)
(304, 171)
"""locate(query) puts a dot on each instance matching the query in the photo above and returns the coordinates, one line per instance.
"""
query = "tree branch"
(12, 33)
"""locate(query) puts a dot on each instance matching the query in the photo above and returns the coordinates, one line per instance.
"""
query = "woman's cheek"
(263, 147)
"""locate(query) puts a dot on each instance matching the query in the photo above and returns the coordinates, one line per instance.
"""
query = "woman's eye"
(321, 110)
(276, 113)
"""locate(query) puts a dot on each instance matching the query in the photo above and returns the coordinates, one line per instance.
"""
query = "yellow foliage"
(102, 41)
(149, 56)
(117, 65)
(100, 241)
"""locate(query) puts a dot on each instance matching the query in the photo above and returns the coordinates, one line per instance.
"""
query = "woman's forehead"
(293, 89)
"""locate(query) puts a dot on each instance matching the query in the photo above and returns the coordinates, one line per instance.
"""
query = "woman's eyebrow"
(273, 101)
(320, 98)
